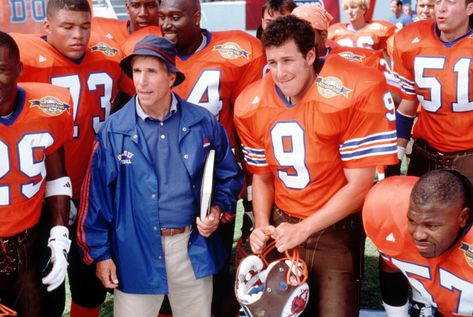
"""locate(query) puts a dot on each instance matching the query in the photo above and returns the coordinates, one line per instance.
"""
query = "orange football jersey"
(217, 74)
(373, 35)
(111, 31)
(440, 76)
(446, 281)
(93, 83)
(40, 124)
(23, 16)
(368, 57)
(342, 122)
(128, 46)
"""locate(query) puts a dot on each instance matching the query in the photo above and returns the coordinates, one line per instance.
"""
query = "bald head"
(180, 23)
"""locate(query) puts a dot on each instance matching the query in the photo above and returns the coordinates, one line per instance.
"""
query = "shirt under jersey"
(177, 206)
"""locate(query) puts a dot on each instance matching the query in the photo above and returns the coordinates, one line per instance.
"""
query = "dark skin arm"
(119, 101)
(58, 206)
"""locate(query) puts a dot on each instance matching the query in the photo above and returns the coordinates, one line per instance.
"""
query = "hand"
(210, 223)
(259, 237)
(106, 272)
(59, 244)
(288, 236)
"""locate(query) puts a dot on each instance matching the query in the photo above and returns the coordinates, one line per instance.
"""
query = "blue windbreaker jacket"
(118, 218)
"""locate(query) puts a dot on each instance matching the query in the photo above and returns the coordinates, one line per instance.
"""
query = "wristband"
(58, 187)
(404, 125)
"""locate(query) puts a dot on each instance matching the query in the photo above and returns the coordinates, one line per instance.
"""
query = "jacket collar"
(126, 117)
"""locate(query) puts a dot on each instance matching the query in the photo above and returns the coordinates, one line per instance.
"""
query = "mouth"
(172, 36)
(77, 47)
(143, 24)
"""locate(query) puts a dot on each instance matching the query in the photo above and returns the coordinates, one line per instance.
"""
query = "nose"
(419, 234)
(164, 22)
(142, 11)
(440, 5)
(139, 79)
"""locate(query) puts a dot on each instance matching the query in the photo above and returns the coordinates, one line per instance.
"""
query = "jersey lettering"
(462, 288)
(19, 12)
(363, 41)
(28, 164)
(288, 143)
(94, 80)
(434, 86)
(206, 91)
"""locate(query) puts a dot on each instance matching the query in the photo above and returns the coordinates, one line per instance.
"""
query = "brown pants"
(334, 257)
(425, 158)
(20, 280)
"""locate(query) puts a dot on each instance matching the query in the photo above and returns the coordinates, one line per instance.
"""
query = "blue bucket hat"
(153, 45)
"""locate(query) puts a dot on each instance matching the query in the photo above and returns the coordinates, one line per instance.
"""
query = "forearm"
(263, 198)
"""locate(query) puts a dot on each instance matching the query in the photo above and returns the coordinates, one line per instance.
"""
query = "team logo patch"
(104, 48)
(468, 249)
(352, 57)
(125, 157)
(231, 50)
(50, 105)
(330, 87)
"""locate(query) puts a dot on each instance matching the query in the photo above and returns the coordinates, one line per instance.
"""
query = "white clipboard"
(207, 185)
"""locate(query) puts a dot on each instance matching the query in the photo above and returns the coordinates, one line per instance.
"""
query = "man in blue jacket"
(140, 200)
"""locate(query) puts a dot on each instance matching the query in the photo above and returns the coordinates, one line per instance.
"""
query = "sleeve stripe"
(260, 162)
(367, 152)
(407, 86)
(255, 157)
(252, 151)
(370, 139)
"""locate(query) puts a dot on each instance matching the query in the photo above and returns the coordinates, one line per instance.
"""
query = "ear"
(20, 69)
(469, 8)
(464, 217)
(172, 79)
(310, 56)
(47, 27)
(197, 16)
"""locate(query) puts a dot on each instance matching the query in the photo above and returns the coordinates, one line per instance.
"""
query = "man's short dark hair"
(284, 28)
(8, 41)
(278, 5)
(69, 5)
(442, 187)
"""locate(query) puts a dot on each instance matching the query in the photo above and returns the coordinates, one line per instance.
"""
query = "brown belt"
(169, 232)
(438, 157)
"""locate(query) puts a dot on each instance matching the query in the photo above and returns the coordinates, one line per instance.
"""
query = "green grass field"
(370, 298)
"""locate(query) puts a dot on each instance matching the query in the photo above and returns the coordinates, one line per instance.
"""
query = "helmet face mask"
(277, 289)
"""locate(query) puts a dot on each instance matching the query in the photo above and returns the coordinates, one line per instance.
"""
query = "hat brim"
(125, 64)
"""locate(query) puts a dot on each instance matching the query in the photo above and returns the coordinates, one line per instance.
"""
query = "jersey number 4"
(28, 165)
(462, 69)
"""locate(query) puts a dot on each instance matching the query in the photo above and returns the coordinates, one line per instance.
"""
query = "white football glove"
(59, 244)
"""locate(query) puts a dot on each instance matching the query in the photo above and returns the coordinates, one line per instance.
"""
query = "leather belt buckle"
(169, 232)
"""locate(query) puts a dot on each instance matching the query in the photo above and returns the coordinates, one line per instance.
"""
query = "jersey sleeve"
(384, 213)
(402, 66)
(369, 136)
(251, 71)
(252, 142)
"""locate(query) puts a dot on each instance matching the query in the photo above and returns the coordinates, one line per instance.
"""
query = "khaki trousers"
(189, 297)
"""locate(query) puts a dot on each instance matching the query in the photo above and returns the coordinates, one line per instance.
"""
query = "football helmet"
(276, 289)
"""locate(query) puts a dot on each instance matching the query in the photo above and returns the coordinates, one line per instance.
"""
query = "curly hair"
(285, 28)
